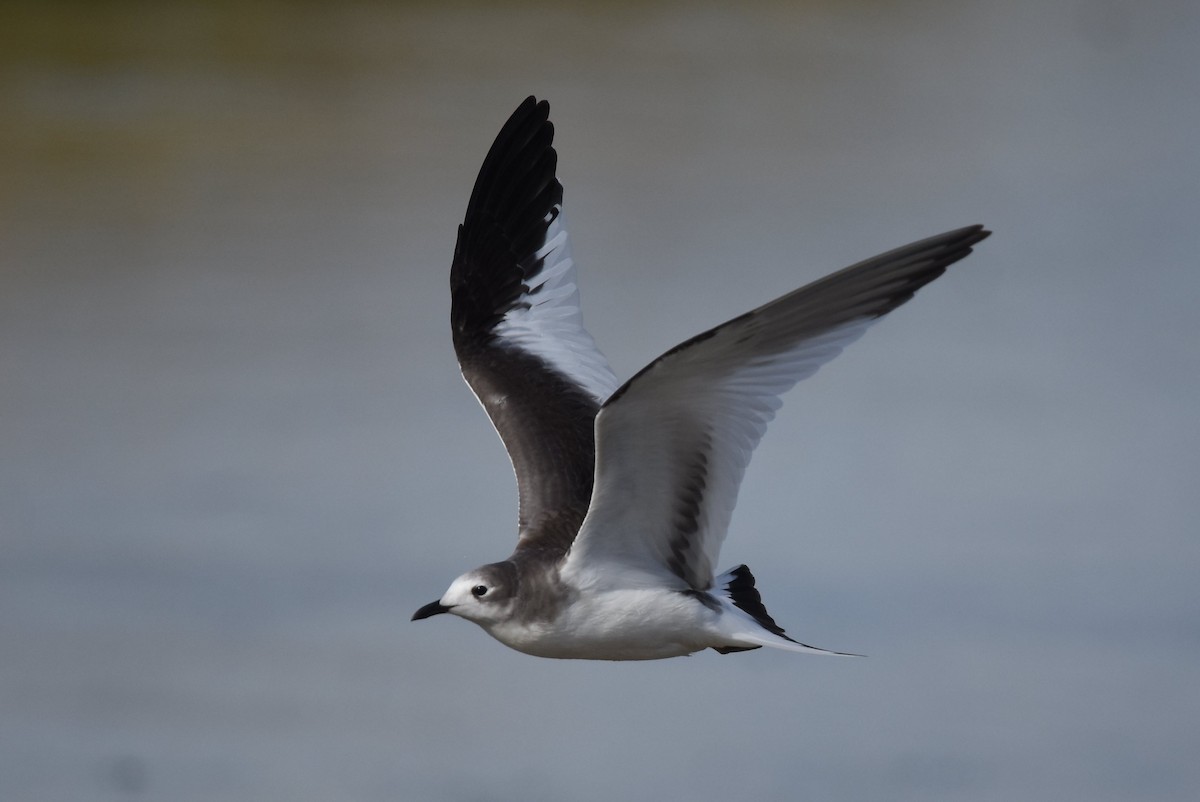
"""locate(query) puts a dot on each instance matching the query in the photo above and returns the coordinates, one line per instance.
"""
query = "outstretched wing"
(673, 442)
(517, 328)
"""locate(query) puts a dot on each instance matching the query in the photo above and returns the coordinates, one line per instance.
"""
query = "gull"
(626, 491)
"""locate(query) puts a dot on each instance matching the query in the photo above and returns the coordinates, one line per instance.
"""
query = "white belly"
(622, 624)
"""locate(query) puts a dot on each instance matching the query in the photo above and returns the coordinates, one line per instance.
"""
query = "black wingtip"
(745, 596)
(966, 237)
(505, 222)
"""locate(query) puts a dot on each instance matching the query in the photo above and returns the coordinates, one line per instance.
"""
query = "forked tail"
(737, 585)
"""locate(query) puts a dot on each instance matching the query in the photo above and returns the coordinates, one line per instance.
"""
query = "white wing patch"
(547, 321)
(671, 450)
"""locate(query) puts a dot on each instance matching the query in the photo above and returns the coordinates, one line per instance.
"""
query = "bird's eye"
(479, 591)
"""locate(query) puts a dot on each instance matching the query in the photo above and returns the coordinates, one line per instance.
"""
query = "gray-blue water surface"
(236, 453)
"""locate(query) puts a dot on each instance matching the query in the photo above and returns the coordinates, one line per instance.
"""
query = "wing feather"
(673, 443)
(518, 331)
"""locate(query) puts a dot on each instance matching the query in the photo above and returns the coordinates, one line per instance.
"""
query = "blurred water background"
(236, 453)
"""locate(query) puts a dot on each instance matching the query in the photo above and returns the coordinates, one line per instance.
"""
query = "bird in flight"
(626, 491)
